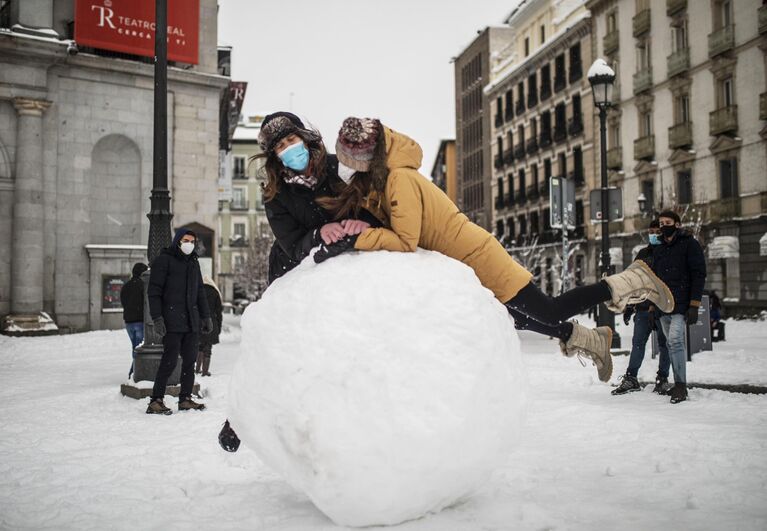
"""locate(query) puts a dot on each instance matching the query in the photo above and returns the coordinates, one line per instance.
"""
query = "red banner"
(128, 26)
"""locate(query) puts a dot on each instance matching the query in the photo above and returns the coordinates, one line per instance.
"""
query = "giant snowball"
(383, 385)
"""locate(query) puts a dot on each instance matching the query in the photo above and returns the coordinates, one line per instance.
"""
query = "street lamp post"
(601, 78)
(149, 354)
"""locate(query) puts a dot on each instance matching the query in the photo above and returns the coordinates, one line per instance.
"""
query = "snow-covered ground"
(75, 454)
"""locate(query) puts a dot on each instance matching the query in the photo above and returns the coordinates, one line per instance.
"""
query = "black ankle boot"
(679, 393)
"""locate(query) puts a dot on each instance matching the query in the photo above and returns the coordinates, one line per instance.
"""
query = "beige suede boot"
(637, 284)
(594, 344)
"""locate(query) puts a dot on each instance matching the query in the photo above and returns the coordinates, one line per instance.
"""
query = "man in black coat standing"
(132, 301)
(679, 262)
(179, 313)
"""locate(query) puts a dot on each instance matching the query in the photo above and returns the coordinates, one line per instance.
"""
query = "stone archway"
(115, 195)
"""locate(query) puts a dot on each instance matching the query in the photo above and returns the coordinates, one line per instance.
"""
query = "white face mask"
(345, 172)
(187, 247)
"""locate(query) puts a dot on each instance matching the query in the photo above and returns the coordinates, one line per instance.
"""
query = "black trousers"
(175, 344)
(535, 311)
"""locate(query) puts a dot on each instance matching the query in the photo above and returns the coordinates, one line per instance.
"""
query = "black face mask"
(668, 230)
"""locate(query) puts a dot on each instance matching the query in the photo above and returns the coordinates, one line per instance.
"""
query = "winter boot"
(592, 343)
(198, 365)
(662, 386)
(157, 407)
(628, 385)
(637, 284)
(185, 404)
(227, 439)
(206, 366)
(678, 393)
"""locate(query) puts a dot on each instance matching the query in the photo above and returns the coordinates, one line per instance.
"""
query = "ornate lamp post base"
(31, 324)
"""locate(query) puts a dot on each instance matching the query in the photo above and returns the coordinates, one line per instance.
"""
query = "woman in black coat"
(299, 170)
(216, 308)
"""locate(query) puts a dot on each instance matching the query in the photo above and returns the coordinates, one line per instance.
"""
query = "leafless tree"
(252, 276)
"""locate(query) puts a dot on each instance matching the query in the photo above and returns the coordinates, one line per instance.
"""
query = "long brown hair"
(276, 171)
(350, 200)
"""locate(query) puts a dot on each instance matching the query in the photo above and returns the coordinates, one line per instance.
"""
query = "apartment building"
(443, 170)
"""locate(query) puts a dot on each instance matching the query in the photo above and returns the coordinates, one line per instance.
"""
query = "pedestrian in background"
(679, 262)
(644, 323)
(132, 300)
(215, 305)
(179, 313)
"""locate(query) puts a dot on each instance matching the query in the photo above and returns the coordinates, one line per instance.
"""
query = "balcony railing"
(724, 120)
(532, 145)
(678, 62)
(576, 72)
(499, 203)
(519, 151)
(763, 106)
(615, 158)
(544, 188)
(680, 135)
(545, 139)
(560, 132)
(532, 192)
(578, 177)
(238, 241)
(509, 113)
(522, 196)
(498, 120)
(721, 40)
(532, 99)
(643, 80)
(498, 162)
(763, 19)
(239, 175)
(238, 204)
(610, 42)
(575, 125)
(545, 91)
(641, 23)
(508, 156)
(674, 6)
(644, 148)
(520, 108)
(560, 81)
(510, 200)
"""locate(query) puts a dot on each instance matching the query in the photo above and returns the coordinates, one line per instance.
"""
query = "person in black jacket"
(132, 301)
(680, 263)
(644, 324)
(179, 312)
(207, 341)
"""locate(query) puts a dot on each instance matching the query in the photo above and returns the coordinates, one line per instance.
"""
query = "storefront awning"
(724, 247)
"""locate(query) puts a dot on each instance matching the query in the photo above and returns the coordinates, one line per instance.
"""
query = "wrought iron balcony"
(578, 176)
(576, 72)
(724, 120)
(532, 192)
(510, 200)
(721, 40)
(238, 241)
(520, 108)
(532, 99)
(235, 204)
(644, 148)
(499, 203)
(241, 175)
(532, 145)
(498, 120)
(545, 91)
(615, 158)
(508, 156)
(610, 42)
(641, 23)
(519, 151)
(498, 162)
(509, 113)
(575, 125)
(560, 132)
(763, 19)
(763, 106)
(680, 135)
(560, 81)
(642, 80)
(545, 139)
(544, 188)
(675, 6)
(678, 62)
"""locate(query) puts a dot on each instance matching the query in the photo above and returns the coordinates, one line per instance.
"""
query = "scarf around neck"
(304, 180)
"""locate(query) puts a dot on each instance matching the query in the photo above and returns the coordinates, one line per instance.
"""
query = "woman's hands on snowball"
(332, 232)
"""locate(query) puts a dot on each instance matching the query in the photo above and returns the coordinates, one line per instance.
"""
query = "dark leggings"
(535, 311)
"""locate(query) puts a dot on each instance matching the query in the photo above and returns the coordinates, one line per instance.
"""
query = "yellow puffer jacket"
(421, 215)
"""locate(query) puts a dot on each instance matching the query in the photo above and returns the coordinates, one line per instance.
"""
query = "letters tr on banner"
(128, 26)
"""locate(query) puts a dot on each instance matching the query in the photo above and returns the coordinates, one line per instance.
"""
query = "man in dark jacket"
(679, 262)
(644, 324)
(132, 300)
(179, 313)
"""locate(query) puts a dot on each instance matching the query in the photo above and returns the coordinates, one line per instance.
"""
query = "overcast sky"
(386, 59)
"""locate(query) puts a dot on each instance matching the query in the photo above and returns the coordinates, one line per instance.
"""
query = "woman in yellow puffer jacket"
(381, 166)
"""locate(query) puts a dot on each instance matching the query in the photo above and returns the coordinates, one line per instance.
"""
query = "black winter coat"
(175, 291)
(132, 300)
(216, 313)
(682, 266)
(296, 220)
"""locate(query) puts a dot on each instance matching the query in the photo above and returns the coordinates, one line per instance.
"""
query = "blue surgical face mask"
(654, 239)
(295, 156)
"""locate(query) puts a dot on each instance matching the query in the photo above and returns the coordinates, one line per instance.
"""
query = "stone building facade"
(689, 127)
(473, 68)
(76, 160)
(539, 96)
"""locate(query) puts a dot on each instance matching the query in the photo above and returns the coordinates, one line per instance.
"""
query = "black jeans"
(175, 344)
(535, 311)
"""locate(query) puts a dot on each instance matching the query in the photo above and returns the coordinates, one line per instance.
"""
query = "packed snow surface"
(383, 385)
